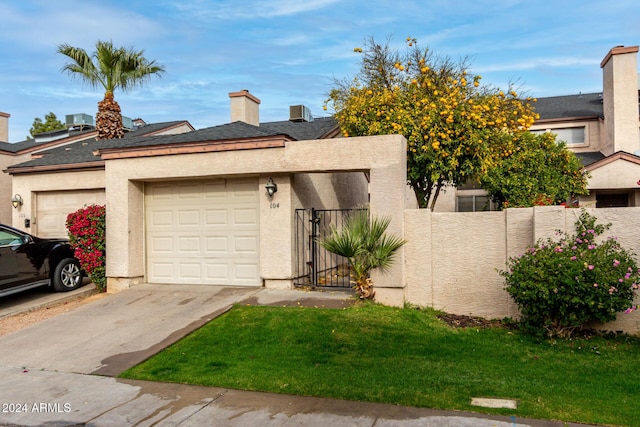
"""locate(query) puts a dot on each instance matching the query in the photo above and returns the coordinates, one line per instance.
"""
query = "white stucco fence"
(452, 259)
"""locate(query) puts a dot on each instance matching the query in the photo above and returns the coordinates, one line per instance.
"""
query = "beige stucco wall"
(620, 99)
(4, 126)
(330, 190)
(452, 258)
(382, 156)
(594, 130)
(6, 192)
(28, 185)
(621, 174)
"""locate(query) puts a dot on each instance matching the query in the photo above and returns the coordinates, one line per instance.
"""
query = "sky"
(289, 52)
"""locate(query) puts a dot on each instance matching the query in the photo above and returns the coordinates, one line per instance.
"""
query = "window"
(473, 203)
(572, 136)
(8, 238)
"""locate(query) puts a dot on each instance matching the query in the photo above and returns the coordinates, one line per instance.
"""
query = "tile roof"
(33, 143)
(570, 106)
(237, 130)
(83, 151)
(588, 157)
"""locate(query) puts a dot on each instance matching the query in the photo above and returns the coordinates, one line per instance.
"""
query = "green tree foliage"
(538, 171)
(110, 68)
(50, 123)
(455, 127)
(365, 245)
(564, 285)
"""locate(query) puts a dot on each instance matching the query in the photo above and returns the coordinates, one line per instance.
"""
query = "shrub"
(561, 286)
(366, 245)
(86, 228)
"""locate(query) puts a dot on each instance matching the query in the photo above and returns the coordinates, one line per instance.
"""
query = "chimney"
(245, 107)
(620, 100)
(4, 126)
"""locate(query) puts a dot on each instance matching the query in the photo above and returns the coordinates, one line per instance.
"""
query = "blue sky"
(287, 52)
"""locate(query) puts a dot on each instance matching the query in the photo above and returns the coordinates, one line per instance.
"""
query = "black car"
(28, 261)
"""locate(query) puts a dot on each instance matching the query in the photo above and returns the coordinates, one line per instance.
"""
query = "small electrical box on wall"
(27, 223)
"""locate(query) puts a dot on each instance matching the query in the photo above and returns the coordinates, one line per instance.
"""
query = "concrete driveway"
(118, 331)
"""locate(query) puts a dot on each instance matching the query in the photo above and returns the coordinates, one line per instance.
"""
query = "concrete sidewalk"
(61, 371)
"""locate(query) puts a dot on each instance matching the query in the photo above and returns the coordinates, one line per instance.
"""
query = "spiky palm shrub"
(365, 245)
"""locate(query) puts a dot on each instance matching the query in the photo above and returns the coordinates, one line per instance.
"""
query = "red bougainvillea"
(86, 228)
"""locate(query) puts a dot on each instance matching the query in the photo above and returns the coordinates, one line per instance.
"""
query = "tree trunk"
(435, 196)
(109, 119)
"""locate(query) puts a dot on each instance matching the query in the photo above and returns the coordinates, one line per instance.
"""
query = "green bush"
(565, 285)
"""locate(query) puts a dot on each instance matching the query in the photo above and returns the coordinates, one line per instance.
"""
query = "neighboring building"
(47, 199)
(602, 129)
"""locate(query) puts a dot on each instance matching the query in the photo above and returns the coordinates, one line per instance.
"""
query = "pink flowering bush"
(565, 285)
(86, 229)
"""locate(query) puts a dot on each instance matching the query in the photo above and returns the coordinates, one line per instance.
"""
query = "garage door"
(203, 232)
(52, 208)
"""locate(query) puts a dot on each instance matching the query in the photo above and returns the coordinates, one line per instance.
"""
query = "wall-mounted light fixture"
(16, 201)
(271, 187)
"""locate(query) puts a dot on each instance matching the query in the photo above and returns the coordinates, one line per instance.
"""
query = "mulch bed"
(461, 321)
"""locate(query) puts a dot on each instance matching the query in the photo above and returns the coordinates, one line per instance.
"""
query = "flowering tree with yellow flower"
(456, 128)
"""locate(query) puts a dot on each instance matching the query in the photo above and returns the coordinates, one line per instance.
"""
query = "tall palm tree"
(365, 245)
(111, 68)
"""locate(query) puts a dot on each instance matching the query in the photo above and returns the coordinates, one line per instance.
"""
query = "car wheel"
(67, 275)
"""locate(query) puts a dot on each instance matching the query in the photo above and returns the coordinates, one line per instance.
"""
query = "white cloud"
(533, 63)
(246, 10)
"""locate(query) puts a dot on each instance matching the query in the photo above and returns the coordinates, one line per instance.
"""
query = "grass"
(406, 357)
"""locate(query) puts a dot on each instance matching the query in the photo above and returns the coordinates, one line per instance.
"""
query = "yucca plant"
(365, 245)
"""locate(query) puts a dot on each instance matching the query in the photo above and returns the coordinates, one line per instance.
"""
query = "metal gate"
(315, 266)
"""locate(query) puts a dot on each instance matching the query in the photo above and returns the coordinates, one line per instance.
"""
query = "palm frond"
(365, 244)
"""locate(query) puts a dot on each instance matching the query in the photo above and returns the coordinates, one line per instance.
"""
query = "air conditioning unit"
(300, 113)
(78, 120)
(127, 123)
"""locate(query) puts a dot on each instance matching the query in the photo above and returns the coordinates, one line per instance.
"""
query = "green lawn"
(406, 357)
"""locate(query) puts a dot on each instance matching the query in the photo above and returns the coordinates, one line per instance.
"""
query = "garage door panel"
(188, 218)
(53, 207)
(245, 216)
(161, 270)
(189, 244)
(161, 218)
(247, 245)
(207, 230)
(217, 273)
(161, 244)
(245, 272)
(190, 271)
(188, 191)
(216, 217)
(218, 245)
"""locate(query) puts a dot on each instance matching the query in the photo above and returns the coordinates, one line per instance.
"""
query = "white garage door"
(52, 208)
(203, 232)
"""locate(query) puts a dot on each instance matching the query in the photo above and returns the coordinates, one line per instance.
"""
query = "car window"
(7, 238)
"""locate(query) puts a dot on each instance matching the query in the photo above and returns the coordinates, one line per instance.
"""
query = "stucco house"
(193, 207)
(55, 173)
(601, 128)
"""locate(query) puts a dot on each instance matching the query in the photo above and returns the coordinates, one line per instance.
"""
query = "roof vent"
(300, 113)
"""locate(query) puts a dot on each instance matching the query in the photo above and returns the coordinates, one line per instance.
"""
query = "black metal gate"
(315, 266)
